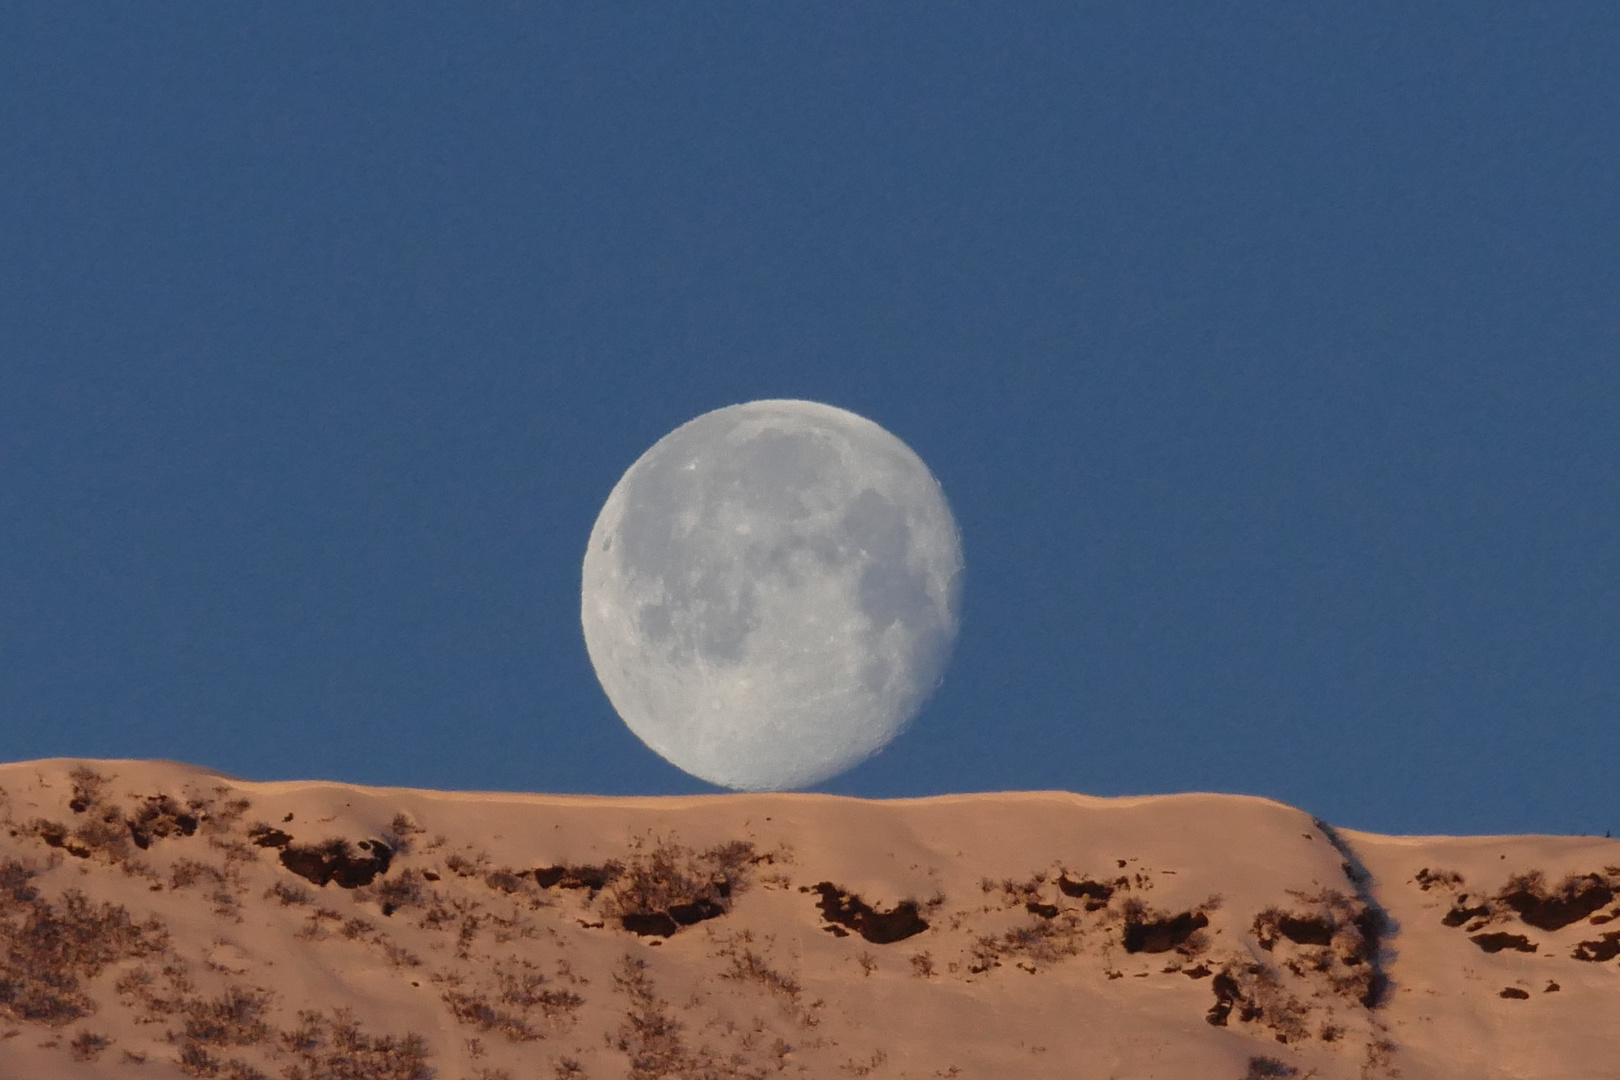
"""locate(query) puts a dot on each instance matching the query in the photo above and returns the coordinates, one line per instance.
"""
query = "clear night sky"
(1269, 355)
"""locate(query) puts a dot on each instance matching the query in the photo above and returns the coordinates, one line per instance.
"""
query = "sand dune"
(163, 920)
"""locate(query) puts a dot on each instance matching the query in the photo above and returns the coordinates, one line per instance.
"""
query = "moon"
(771, 592)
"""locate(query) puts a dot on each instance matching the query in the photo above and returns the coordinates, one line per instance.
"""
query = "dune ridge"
(163, 920)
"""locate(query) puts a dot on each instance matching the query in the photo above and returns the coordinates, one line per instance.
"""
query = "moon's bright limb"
(771, 592)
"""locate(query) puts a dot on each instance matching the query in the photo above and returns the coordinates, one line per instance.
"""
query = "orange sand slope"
(162, 920)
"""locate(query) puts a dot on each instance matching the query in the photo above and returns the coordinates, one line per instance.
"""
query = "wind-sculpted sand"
(159, 920)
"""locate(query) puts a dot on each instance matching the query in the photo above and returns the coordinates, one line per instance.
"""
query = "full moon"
(771, 593)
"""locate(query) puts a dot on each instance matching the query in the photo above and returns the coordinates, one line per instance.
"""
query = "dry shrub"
(235, 1018)
(150, 1001)
(46, 949)
(87, 788)
(1041, 940)
(475, 1009)
(221, 816)
(88, 1046)
(195, 1060)
(103, 834)
(660, 874)
(1335, 939)
(289, 895)
(649, 1034)
(1253, 991)
(188, 872)
(400, 832)
(336, 1048)
(403, 893)
(511, 1005)
(750, 967)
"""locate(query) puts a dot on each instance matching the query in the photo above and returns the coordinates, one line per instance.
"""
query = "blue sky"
(1269, 356)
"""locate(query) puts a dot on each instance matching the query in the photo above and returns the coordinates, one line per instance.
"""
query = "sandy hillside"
(163, 921)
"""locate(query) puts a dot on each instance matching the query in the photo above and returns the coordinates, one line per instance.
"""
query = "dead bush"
(88, 1046)
(1334, 937)
(400, 834)
(188, 872)
(289, 895)
(87, 788)
(519, 995)
(235, 1018)
(47, 949)
(662, 879)
(649, 1035)
(336, 1048)
(405, 892)
(1254, 993)
(1267, 1068)
(194, 1060)
(159, 817)
(753, 968)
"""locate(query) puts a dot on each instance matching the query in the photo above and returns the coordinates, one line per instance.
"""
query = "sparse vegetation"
(519, 996)
(335, 1048)
(752, 968)
(1268, 1068)
(234, 1018)
(88, 1046)
(47, 949)
(289, 894)
(1335, 941)
(663, 886)
(649, 1034)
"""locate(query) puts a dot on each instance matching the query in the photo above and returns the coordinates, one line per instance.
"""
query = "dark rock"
(1162, 935)
(594, 878)
(503, 881)
(1428, 879)
(1495, 943)
(336, 861)
(1227, 994)
(1306, 931)
(265, 836)
(1574, 901)
(1045, 911)
(1514, 992)
(654, 924)
(1460, 914)
(697, 911)
(1300, 929)
(1094, 893)
(158, 818)
(879, 927)
(1604, 948)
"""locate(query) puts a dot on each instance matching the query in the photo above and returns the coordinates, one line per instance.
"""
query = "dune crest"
(161, 920)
